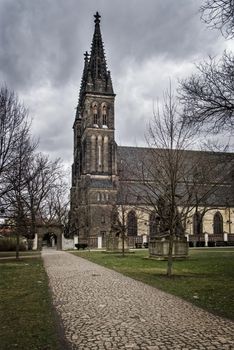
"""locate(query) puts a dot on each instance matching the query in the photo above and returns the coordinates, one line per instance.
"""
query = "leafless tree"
(13, 124)
(173, 180)
(16, 182)
(41, 177)
(27, 178)
(119, 224)
(219, 14)
(163, 170)
(32, 179)
(208, 96)
(55, 207)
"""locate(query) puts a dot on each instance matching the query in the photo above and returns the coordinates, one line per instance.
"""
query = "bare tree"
(119, 224)
(219, 14)
(13, 124)
(32, 179)
(16, 182)
(174, 181)
(27, 178)
(40, 176)
(55, 207)
(164, 168)
(208, 96)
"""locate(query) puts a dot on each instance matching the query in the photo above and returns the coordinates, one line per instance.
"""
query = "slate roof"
(130, 169)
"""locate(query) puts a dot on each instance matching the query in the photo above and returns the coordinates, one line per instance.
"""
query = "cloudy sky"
(146, 42)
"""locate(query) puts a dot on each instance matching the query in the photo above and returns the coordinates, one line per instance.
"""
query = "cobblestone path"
(102, 309)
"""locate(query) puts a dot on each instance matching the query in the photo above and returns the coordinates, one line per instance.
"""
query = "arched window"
(104, 114)
(218, 223)
(104, 120)
(153, 224)
(132, 223)
(95, 118)
(197, 224)
(95, 113)
(98, 196)
(99, 152)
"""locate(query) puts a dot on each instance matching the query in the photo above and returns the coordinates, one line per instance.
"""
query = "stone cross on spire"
(97, 18)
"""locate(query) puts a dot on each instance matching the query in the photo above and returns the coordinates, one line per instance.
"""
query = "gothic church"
(95, 171)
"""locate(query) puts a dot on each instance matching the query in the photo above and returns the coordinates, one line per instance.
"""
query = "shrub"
(9, 244)
(200, 244)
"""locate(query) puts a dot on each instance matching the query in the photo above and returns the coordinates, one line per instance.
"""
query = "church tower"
(94, 173)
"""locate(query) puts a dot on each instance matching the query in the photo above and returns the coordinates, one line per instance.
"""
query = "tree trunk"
(17, 245)
(123, 235)
(170, 258)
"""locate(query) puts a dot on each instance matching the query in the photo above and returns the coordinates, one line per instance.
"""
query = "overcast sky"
(146, 42)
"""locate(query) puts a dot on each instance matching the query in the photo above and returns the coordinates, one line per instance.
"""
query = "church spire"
(99, 75)
(96, 78)
(97, 63)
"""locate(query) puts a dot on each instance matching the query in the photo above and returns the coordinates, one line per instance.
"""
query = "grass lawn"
(26, 318)
(21, 253)
(206, 278)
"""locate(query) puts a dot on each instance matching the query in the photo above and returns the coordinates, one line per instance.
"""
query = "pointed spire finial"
(86, 56)
(97, 18)
(95, 76)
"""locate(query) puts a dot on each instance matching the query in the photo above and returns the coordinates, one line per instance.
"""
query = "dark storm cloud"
(41, 57)
(45, 39)
(37, 42)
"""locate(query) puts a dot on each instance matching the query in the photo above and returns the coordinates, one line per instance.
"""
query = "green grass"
(21, 253)
(206, 278)
(26, 317)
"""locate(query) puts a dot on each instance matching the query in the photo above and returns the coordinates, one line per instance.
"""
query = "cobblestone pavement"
(102, 309)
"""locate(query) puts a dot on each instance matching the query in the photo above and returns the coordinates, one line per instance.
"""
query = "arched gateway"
(49, 232)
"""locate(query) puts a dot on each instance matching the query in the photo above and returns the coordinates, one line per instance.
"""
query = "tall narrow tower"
(94, 173)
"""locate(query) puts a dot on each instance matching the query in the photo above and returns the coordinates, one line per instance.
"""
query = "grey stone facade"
(94, 171)
(99, 181)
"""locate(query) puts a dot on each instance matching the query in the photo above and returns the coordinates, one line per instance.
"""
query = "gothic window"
(153, 224)
(93, 153)
(107, 196)
(98, 196)
(132, 223)
(197, 224)
(218, 223)
(95, 113)
(103, 219)
(104, 119)
(95, 118)
(104, 115)
(99, 152)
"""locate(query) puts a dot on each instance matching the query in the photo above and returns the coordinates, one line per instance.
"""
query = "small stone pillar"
(206, 239)
(35, 242)
(76, 239)
(99, 242)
